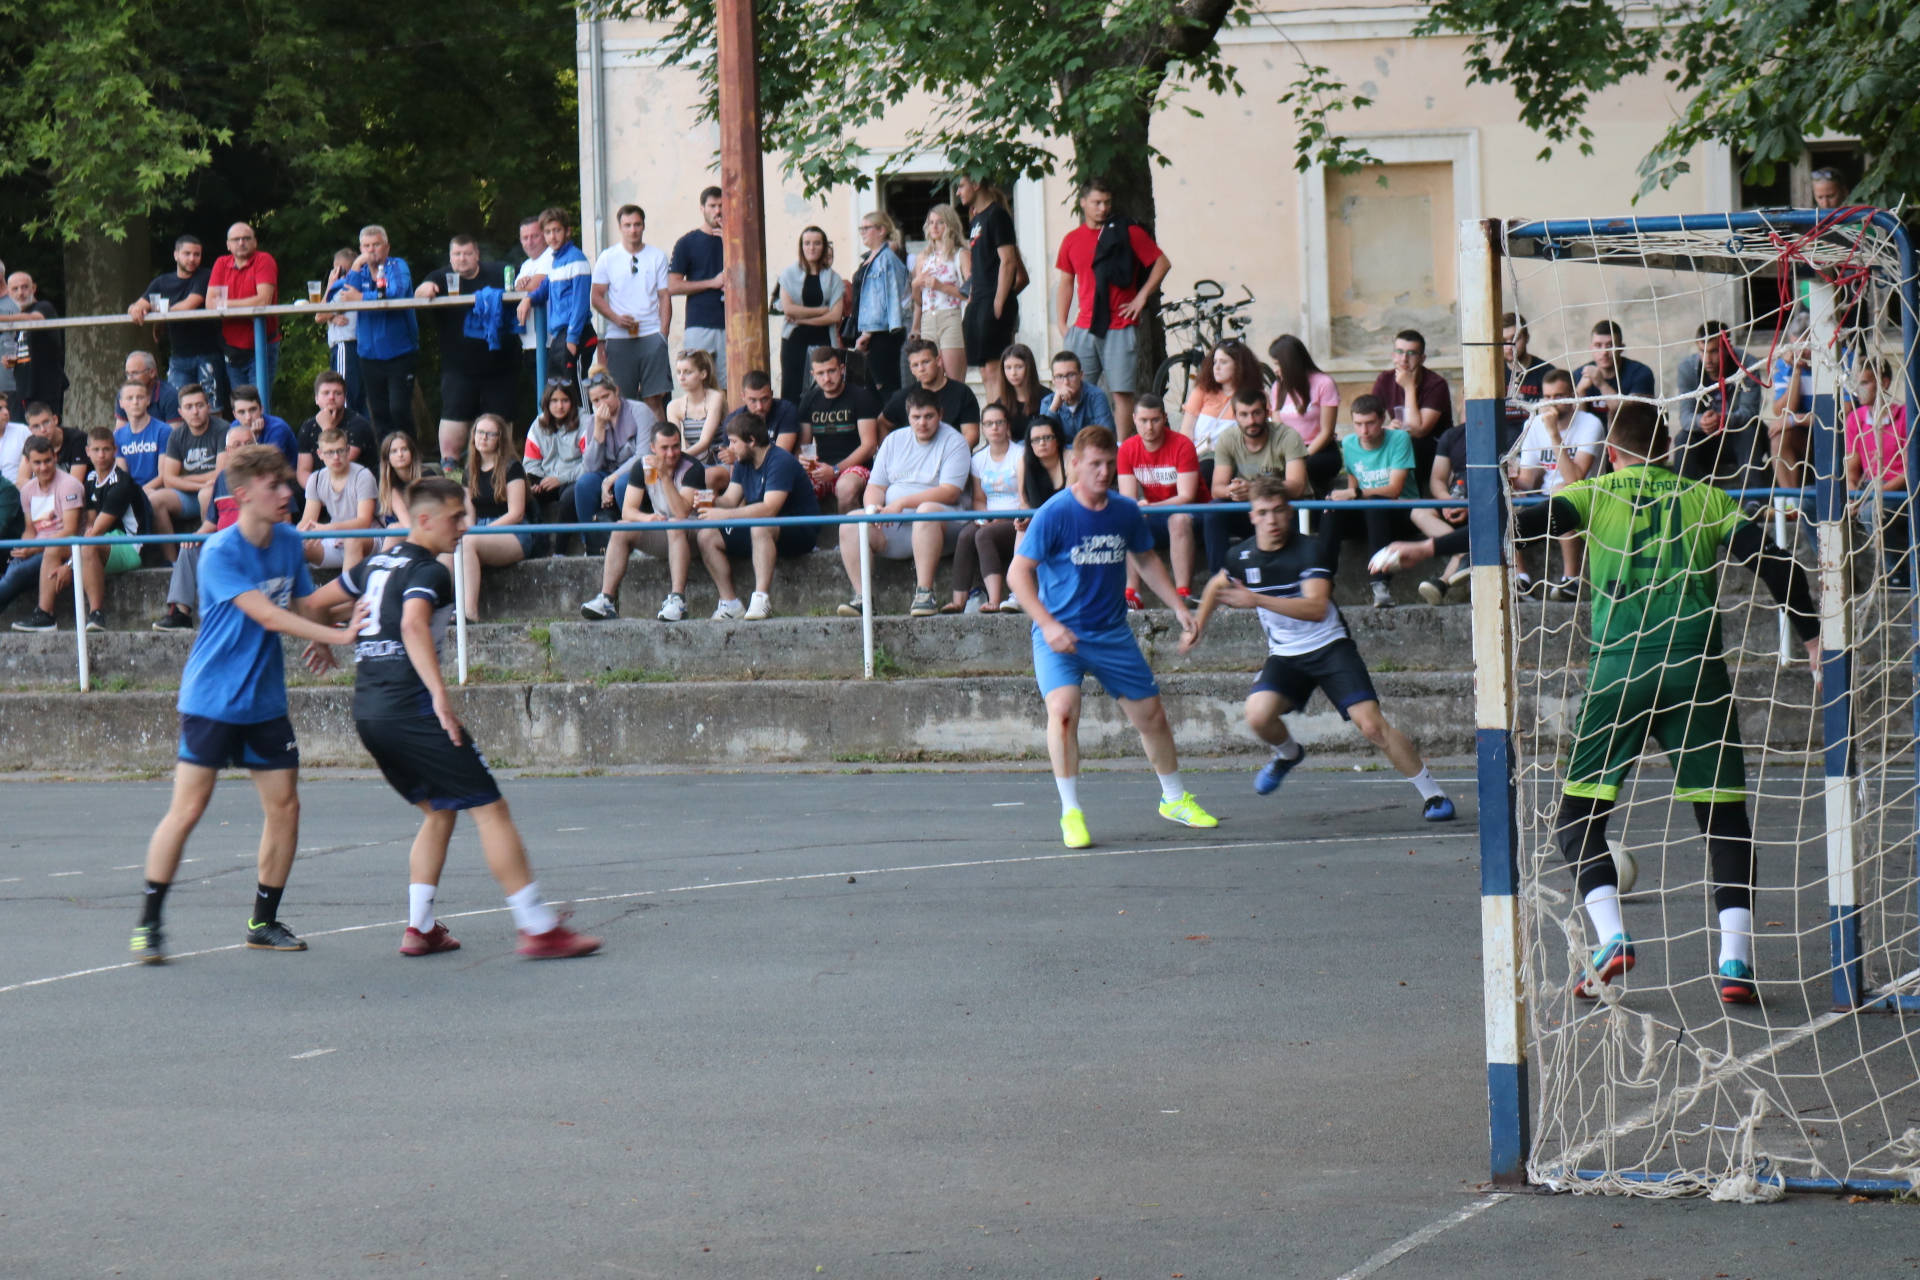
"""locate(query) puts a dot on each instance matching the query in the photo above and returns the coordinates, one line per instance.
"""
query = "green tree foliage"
(1760, 78)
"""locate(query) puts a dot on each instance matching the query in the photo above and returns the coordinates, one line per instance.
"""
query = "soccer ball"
(1626, 867)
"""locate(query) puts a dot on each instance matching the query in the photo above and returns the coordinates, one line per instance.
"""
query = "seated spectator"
(1253, 446)
(1791, 406)
(220, 510)
(1720, 440)
(841, 419)
(70, 446)
(48, 504)
(163, 400)
(666, 494)
(1379, 462)
(400, 466)
(13, 445)
(1159, 467)
(1043, 465)
(330, 414)
(1308, 400)
(959, 408)
(1876, 440)
(1025, 392)
(922, 470)
(782, 418)
(698, 411)
(555, 458)
(1524, 377)
(1561, 445)
(496, 499)
(1074, 402)
(193, 452)
(618, 432)
(1611, 377)
(347, 495)
(1449, 481)
(1417, 400)
(267, 428)
(985, 547)
(1209, 407)
(767, 481)
(140, 441)
(117, 506)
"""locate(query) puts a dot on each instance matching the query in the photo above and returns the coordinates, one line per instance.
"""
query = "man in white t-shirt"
(926, 468)
(1561, 444)
(348, 494)
(13, 443)
(631, 290)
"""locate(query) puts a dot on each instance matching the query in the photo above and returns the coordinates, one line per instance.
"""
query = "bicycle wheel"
(1186, 362)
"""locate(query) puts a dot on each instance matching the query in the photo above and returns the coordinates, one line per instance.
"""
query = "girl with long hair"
(1020, 374)
(985, 547)
(882, 308)
(939, 283)
(698, 411)
(1209, 408)
(1308, 400)
(813, 300)
(555, 455)
(496, 498)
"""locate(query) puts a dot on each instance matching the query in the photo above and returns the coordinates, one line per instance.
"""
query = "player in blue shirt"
(1070, 575)
(233, 694)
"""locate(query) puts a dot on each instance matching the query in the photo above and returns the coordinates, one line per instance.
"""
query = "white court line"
(815, 875)
(1401, 1248)
(312, 1053)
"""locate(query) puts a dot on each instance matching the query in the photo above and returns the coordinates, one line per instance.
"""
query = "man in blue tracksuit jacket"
(389, 340)
(567, 292)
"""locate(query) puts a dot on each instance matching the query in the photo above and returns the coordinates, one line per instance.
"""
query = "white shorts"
(900, 537)
(333, 553)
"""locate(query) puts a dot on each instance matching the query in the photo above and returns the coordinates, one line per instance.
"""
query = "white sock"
(1171, 788)
(530, 915)
(735, 600)
(420, 906)
(1603, 908)
(1736, 934)
(1288, 750)
(1423, 782)
(1069, 794)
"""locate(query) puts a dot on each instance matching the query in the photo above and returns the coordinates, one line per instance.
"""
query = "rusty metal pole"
(743, 230)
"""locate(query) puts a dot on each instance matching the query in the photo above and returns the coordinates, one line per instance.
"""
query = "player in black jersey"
(406, 720)
(1288, 580)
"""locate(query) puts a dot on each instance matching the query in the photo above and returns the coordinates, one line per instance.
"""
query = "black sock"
(150, 904)
(266, 904)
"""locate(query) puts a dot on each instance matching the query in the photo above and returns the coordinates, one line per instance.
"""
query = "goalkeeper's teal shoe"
(1736, 983)
(1187, 812)
(1610, 961)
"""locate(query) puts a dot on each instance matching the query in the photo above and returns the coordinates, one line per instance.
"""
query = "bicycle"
(1209, 322)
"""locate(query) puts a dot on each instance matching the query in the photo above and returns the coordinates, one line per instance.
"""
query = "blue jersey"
(1082, 558)
(236, 673)
(141, 450)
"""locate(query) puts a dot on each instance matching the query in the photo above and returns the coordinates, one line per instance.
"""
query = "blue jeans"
(21, 577)
(586, 503)
(240, 373)
(204, 370)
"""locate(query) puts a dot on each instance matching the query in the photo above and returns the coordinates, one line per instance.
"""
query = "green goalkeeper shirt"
(1653, 541)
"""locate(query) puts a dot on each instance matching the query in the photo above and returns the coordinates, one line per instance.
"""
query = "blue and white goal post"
(1658, 1086)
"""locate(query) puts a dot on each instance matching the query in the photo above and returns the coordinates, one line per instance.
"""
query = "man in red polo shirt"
(1159, 468)
(252, 279)
(1114, 266)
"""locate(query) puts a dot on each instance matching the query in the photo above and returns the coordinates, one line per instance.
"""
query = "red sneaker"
(557, 943)
(416, 943)
(1134, 603)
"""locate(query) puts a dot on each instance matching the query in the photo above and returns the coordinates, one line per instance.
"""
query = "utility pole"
(743, 228)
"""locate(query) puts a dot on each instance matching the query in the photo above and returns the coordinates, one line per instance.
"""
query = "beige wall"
(1231, 206)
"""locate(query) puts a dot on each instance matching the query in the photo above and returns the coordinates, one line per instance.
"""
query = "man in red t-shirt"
(252, 279)
(1418, 401)
(1114, 267)
(1159, 468)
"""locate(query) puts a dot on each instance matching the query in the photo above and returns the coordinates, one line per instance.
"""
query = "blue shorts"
(526, 539)
(215, 744)
(1111, 656)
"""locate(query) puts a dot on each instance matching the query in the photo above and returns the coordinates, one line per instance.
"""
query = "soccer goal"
(1649, 1082)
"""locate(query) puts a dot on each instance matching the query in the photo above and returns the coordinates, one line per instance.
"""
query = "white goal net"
(1780, 349)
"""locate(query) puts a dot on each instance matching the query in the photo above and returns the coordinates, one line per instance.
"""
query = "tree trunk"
(103, 277)
(1131, 177)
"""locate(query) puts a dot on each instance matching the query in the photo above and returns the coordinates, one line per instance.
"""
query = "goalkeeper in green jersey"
(1653, 541)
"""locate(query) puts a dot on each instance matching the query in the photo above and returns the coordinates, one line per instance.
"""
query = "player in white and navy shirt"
(1288, 580)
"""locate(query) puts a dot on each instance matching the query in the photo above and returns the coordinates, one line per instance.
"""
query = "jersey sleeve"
(431, 582)
(352, 581)
(1720, 514)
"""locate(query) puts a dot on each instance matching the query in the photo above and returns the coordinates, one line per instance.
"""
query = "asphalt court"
(1249, 1052)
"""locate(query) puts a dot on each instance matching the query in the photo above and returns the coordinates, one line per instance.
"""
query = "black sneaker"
(148, 945)
(1564, 590)
(272, 936)
(177, 619)
(96, 620)
(38, 620)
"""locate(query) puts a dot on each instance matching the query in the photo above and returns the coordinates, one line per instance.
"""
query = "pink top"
(1321, 391)
(1881, 448)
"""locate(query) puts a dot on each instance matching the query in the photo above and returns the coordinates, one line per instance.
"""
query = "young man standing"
(767, 481)
(631, 290)
(697, 271)
(1070, 577)
(992, 318)
(252, 279)
(1159, 468)
(195, 354)
(476, 372)
(331, 414)
(408, 725)
(959, 408)
(565, 290)
(1288, 581)
(668, 495)
(1103, 260)
(233, 695)
(219, 510)
(922, 470)
(347, 494)
(389, 340)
